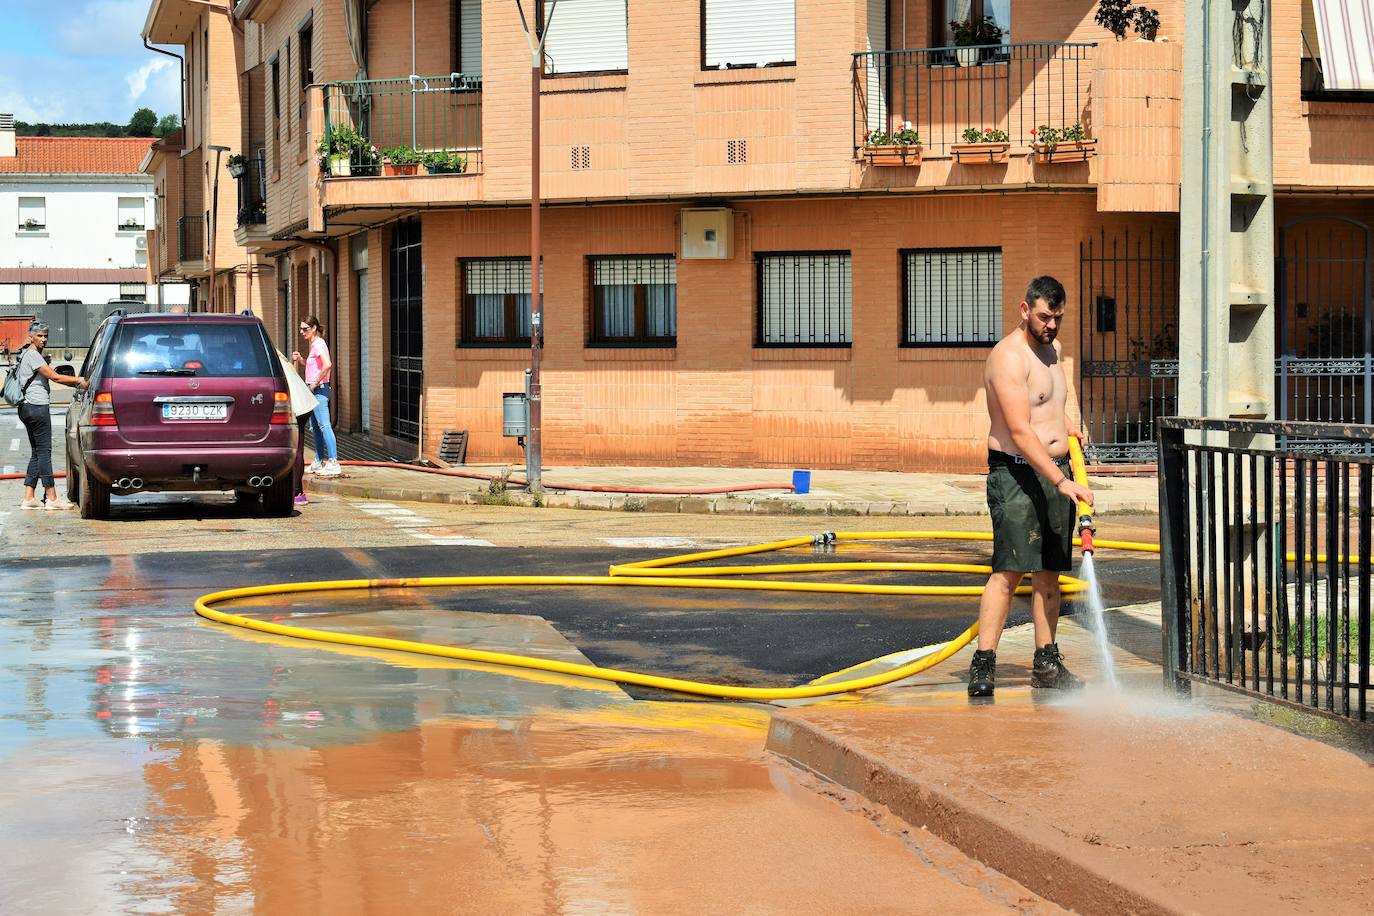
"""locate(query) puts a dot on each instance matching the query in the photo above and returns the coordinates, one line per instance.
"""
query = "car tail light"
(102, 410)
(281, 409)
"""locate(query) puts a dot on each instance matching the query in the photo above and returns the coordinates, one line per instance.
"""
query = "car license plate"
(195, 411)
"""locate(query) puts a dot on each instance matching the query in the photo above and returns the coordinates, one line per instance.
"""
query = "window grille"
(134, 292)
(804, 300)
(952, 297)
(634, 300)
(496, 301)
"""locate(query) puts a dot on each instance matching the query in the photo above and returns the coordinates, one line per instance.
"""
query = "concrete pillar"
(1227, 297)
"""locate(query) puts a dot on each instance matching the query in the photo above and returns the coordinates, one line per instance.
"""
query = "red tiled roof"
(76, 156)
(72, 274)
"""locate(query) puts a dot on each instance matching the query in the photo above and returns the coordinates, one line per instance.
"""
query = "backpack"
(13, 394)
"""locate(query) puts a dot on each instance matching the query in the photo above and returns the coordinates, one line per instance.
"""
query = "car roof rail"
(120, 313)
(247, 313)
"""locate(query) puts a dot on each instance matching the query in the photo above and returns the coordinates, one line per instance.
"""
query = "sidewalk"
(1102, 802)
(832, 492)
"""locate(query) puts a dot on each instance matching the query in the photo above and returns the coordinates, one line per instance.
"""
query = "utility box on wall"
(708, 233)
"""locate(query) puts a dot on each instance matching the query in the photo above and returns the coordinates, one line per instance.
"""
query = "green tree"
(143, 123)
(168, 124)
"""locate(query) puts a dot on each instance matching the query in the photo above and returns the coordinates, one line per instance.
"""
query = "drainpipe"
(181, 61)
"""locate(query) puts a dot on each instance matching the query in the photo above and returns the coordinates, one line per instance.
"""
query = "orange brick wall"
(715, 399)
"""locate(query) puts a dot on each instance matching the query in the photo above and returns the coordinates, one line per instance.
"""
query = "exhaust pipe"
(254, 481)
(136, 483)
(122, 483)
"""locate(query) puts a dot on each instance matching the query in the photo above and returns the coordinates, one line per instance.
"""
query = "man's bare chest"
(1045, 383)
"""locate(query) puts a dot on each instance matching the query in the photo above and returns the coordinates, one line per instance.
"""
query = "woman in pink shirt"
(318, 375)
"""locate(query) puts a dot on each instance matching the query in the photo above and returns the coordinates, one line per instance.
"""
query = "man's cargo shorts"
(1032, 523)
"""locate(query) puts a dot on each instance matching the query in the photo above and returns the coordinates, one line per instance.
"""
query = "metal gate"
(1128, 341)
(1323, 338)
(405, 362)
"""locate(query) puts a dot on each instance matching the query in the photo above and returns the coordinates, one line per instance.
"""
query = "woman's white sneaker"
(330, 469)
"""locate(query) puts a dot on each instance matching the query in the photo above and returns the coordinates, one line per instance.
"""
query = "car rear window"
(180, 348)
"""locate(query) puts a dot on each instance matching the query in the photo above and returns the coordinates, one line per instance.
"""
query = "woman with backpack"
(35, 404)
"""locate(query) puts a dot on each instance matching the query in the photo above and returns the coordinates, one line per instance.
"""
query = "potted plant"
(1115, 16)
(32, 224)
(981, 146)
(254, 214)
(1146, 23)
(970, 34)
(238, 164)
(1062, 144)
(443, 162)
(400, 160)
(343, 151)
(899, 147)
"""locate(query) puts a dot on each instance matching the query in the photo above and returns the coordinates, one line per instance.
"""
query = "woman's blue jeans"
(326, 449)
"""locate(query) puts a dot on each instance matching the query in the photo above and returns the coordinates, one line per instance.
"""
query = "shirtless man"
(1031, 493)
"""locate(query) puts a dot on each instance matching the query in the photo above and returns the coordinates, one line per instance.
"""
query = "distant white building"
(74, 215)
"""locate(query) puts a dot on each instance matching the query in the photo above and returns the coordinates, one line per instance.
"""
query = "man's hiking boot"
(982, 672)
(1049, 671)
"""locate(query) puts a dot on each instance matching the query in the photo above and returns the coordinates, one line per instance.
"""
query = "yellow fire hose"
(667, 572)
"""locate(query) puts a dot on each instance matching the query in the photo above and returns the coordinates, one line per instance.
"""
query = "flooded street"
(151, 761)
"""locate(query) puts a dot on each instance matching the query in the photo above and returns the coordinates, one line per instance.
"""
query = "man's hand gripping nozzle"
(1085, 511)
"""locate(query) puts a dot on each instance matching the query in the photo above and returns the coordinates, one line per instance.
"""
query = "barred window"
(804, 300)
(133, 292)
(634, 300)
(496, 301)
(952, 297)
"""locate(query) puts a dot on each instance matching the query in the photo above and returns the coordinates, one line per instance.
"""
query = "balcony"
(190, 243)
(429, 125)
(1012, 88)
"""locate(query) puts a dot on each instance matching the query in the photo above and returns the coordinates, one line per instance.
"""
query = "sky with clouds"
(80, 61)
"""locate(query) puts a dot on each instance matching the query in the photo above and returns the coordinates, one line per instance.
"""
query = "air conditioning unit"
(707, 233)
(141, 242)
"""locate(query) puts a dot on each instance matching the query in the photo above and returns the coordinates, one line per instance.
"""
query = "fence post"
(1173, 529)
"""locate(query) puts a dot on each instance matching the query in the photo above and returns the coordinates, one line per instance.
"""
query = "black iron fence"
(1266, 561)
(432, 123)
(252, 192)
(191, 238)
(1014, 88)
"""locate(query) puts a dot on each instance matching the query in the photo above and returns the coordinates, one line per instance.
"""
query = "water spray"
(1089, 571)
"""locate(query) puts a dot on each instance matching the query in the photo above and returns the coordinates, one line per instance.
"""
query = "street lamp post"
(214, 220)
(534, 450)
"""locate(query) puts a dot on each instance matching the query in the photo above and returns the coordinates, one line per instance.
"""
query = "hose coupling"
(825, 537)
(1085, 534)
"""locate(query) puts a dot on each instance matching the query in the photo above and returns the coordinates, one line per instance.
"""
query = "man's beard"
(1045, 335)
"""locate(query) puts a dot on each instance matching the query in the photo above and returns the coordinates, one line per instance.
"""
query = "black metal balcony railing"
(1266, 562)
(427, 115)
(191, 238)
(942, 91)
(252, 192)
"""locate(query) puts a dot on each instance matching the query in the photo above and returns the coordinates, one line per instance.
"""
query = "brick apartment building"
(731, 275)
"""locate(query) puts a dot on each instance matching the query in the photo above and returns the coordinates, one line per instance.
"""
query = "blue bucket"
(801, 482)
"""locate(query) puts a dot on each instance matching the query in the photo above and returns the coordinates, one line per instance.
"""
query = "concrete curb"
(979, 825)
(622, 502)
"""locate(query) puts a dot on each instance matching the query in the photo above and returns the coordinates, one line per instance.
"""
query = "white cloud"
(138, 80)
(104, 28)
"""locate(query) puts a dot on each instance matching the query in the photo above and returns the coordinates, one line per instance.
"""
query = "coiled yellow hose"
(668, 572)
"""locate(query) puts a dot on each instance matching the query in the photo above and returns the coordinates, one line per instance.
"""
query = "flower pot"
(1072, 151)
(445, 169)
(398, 169)
(893, 155)
(237, 169)
(979, 153)
(339, 166)
(968, 56)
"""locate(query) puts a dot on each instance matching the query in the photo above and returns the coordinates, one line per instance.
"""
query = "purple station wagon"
(181, 402)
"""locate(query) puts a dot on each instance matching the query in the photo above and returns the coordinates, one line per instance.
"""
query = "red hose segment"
(580, 487)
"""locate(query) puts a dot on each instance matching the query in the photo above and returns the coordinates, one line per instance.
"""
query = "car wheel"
(95, 499)
(279, 498)
(73, 482)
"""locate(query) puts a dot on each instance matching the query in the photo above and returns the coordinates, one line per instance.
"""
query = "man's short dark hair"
(1047, 288)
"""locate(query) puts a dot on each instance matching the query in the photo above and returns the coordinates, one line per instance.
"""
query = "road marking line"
(414, 522)
(9, 469)
(369, 505)
(667, 542)
(389, 512)
(450, 540)
(14, 444)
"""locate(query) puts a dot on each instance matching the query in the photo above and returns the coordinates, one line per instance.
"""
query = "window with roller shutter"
(748, 33)
(586, 36)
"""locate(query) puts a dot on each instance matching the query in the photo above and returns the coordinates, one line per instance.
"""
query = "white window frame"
(587, 36)
(951, 297)
(748, 33)
(805, 299)
(36, 209)
(131, 208)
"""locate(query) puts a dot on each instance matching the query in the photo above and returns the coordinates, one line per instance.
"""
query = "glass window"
(496, 301)
(952, 297)
(33, 214)
(804, 300)
(181, 348)
(130, 213)
(634, 300)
